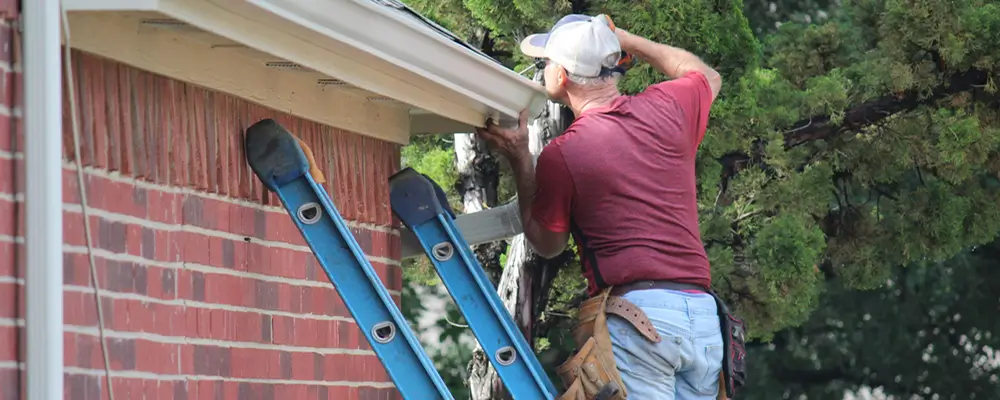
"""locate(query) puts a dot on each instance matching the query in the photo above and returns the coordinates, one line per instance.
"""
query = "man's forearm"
(671, 61)
(524, 178)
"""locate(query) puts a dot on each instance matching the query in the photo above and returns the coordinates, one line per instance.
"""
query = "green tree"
(929, 332)
(840, 150)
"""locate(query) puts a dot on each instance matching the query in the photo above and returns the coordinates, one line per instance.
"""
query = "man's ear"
(561, 77)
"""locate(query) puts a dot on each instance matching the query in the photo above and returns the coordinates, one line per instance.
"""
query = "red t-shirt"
(621, 180)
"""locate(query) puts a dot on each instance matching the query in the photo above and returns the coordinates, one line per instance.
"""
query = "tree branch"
(856, 118)
(861, 116)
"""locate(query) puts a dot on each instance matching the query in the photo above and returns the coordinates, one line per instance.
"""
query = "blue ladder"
(423, 207)
(279, 162)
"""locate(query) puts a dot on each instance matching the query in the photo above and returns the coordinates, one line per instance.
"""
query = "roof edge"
(381, 46)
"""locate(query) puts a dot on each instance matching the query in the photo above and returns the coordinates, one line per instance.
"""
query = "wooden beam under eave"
(179, 54)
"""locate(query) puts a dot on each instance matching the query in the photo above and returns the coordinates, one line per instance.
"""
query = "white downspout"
(43, 199)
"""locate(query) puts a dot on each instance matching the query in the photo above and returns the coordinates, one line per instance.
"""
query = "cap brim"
(534, 45)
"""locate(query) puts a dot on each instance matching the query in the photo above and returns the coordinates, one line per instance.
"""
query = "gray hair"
(611, 60)
(593, 80)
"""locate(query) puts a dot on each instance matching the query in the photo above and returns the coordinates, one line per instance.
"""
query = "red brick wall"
(209, 290)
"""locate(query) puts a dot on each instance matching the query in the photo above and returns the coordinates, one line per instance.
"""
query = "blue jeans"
(685, 364)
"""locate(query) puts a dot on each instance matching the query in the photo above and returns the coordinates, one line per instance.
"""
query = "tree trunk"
(524, 277)
(472, 186)
(478, 178)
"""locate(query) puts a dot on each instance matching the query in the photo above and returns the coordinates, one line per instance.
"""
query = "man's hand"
(512, 143)
(624, 39)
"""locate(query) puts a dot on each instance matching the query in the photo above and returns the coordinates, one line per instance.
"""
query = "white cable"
(68, 65)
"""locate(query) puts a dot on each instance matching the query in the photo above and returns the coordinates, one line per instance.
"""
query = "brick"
(248, 292)
(8, 308)
(168, 283)
(7, 168)
(9, 341)
(169, 124)
(10, 384)
(158, 155)
(176, 320)
(193, 212)
(80, 309)
(92, 387)
(197, 140)
(211, 360)
(129, 239)
(148, 243)
(139, 100)
(83, 105)
(315, 333)
(371, 183)
(111, 235)
(97, 92)
(128, 120)
(7, 139)
(212, 167)
(181, 390)
(7, 31)
(114, 117)
(273, 226)
(142, 355)
(248, 363)
(11, 262)
(266, 328)
(164, 207)
(119, 276)
(83, 387)
(256, 391)
(10, 226)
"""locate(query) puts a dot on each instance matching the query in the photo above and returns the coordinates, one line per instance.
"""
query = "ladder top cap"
(416, 199)
(273, 154)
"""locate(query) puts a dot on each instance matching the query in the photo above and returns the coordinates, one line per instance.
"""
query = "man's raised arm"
(671, 61)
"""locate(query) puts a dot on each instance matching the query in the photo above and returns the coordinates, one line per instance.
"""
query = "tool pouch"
(733, 375)
(591, 373)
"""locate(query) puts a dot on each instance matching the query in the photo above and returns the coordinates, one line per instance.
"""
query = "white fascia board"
(110, 5)
(369, 44)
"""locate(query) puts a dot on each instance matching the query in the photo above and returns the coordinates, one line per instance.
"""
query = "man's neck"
(593, 100)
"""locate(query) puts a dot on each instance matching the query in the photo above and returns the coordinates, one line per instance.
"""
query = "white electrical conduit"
(43, 201)
(476, 228)
(70, 85)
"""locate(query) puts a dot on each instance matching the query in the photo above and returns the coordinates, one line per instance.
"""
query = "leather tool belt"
(592, 374)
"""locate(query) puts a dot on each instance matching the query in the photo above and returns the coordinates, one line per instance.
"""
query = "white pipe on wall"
(476, 228)
(43, 199)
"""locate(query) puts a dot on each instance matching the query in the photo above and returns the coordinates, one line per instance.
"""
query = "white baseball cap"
(584, 45)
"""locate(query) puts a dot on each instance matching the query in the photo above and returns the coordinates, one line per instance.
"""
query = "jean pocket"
(621, 341)
(712, 364)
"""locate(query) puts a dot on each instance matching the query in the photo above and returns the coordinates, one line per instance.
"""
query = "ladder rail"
(399, 359)
(421, 205)
(496, 304)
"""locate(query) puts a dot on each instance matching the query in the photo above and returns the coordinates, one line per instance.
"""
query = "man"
(621, 180)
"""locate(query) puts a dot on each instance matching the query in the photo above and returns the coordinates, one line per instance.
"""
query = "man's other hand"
(512, 143)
